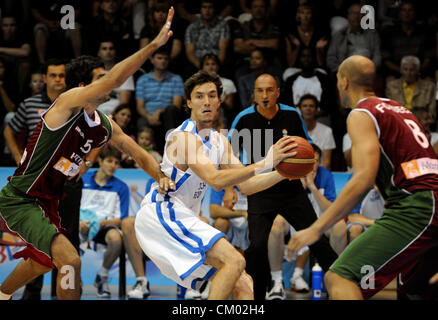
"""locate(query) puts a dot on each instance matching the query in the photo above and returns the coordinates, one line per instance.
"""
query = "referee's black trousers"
(298, 211)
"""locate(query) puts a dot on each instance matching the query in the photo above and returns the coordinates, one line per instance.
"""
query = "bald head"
(266, 91)
(265, 78)
(359, 70)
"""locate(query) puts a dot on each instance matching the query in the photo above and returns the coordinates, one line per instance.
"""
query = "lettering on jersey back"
(397, 109)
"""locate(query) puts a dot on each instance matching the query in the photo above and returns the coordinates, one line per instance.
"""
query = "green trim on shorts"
(405, 217)
(24, 216)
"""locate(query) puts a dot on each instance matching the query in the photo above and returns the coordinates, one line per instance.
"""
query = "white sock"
(103, 272)
(142, 279)
(276, 276)
(298, 272)
(4, 296)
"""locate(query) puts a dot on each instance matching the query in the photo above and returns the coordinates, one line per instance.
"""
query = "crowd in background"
(300, 42)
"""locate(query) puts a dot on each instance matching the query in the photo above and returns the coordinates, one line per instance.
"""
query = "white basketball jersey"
(190, 188)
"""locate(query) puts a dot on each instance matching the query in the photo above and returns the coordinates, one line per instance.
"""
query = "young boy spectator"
(108, 198)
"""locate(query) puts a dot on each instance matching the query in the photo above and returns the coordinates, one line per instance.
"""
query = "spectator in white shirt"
(321, 134)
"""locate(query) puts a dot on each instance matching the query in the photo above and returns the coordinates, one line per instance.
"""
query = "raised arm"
(118, 74)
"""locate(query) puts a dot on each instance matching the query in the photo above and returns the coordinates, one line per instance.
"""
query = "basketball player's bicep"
(80, 96)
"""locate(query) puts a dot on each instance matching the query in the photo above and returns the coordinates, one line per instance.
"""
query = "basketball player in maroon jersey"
(68, 131)
(389, 147)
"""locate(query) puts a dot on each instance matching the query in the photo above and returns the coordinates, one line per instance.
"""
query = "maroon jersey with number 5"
(55, 154)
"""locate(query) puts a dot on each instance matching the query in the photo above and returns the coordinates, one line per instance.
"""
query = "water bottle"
(180, 291)
(317, 282)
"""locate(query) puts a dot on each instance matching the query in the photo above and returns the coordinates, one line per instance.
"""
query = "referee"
(267, 121)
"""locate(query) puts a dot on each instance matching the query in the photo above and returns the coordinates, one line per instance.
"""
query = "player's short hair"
(110, 151)
(200, 78)
(80, 70)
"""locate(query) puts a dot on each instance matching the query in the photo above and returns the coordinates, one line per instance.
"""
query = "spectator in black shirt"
(306, 34)
(49, 33)
(256, 33)
(110, 23)
(15, 49)
(407, 37)
(153, 26)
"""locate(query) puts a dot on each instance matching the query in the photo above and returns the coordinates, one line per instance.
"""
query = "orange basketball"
(300, 165)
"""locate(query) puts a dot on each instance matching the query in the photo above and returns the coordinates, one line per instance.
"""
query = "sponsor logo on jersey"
(419, 167)
(66, 167)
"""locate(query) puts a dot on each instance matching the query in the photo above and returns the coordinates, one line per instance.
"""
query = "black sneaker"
(277, 291)
(101, 283)
(140, 291)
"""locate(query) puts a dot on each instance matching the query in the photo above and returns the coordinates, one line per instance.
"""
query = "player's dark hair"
(199, 78)
(80, 70)
(110, 151)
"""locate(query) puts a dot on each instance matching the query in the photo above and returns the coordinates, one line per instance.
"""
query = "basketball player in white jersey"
(168, 227)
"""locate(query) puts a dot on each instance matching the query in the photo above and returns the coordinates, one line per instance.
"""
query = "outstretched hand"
(165, 32)
(280, 151)
(300, 239)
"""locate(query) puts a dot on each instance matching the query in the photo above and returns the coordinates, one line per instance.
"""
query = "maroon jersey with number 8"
(407, 160)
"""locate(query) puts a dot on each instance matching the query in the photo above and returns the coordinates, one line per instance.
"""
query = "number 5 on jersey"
(87, 146)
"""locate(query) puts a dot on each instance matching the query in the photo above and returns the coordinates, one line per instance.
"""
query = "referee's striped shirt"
(28, 114)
